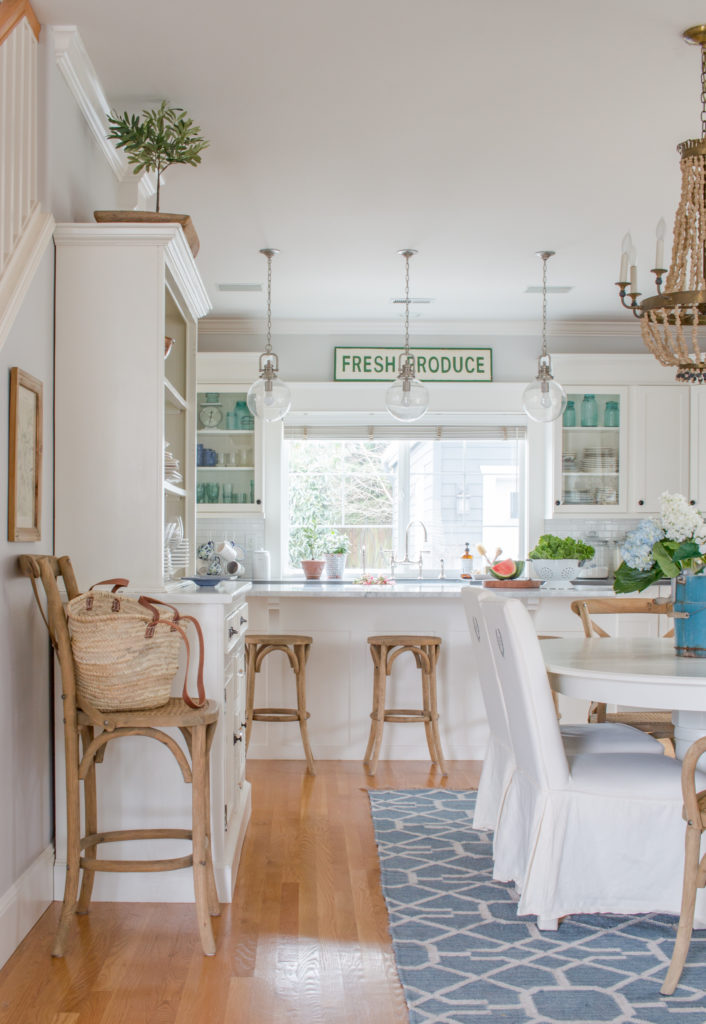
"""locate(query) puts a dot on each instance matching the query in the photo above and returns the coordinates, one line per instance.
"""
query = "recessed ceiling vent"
(239, 287)
(552, 289)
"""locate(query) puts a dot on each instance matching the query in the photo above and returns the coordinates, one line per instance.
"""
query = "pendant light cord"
(268, 346)
(545, 257)
(406, 306)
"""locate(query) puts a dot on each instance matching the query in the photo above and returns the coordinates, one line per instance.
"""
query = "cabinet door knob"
(557, 502)
(641, 501)
(258, 501)
(692, 502)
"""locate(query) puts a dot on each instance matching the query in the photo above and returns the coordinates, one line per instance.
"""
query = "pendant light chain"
(406, 306)
(268, 346)
(703, 91)
(545, 258)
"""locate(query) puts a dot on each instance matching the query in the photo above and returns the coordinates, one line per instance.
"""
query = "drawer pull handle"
(232, 631)
(237, 737)
(243, 621)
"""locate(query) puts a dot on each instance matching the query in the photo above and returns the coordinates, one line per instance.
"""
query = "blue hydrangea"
(637, 547)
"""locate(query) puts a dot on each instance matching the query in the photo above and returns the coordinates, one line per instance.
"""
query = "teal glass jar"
(241, 414)
(589, 411)
(569, 414)
(611, 415)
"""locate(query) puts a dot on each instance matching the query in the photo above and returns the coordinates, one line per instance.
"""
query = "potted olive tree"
(153, 141)
(336, 548)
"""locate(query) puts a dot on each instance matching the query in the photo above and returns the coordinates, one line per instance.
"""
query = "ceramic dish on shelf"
(208, 581)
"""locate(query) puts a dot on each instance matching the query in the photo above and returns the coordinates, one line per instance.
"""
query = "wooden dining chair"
(87, 732)
(655, 722)
(694, 814)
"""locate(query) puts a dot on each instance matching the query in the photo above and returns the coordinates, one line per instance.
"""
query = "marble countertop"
(415, 588)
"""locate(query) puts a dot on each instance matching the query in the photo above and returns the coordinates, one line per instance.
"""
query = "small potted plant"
(336, 548)
(557, 560)
(153, 141)
(305, 546)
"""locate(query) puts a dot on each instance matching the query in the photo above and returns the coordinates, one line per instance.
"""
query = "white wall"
(74, 180)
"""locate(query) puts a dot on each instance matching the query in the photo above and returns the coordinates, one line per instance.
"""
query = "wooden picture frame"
(24, 515)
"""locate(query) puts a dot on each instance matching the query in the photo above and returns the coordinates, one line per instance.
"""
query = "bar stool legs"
(384, 650)
(296, 649)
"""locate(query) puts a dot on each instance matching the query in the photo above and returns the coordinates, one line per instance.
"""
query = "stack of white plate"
(600, 460)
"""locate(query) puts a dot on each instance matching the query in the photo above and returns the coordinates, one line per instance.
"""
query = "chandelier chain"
(703, 92)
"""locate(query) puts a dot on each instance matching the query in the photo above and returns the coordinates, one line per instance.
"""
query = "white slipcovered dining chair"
(499, 761)
(587, 833)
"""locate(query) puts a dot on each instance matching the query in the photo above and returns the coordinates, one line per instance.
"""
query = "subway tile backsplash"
(247, 531)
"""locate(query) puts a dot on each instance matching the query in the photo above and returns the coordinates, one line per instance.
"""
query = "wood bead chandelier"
(673, 321)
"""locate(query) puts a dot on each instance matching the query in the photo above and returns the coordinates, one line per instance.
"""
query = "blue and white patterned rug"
(463, 955)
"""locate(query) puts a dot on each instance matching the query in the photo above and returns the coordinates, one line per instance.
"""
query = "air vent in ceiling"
(552, 289)
(239, 287)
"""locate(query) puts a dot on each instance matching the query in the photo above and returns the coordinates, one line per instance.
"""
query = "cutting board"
(513, 584)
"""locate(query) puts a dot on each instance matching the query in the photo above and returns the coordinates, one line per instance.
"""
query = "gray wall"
(74, 180)
(305, 357)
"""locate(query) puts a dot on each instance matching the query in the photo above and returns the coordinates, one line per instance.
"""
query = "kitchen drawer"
(235, 625)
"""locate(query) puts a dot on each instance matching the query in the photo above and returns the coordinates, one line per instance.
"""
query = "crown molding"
(466, 328)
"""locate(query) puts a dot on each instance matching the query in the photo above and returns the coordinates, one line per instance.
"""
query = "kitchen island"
(339, 616)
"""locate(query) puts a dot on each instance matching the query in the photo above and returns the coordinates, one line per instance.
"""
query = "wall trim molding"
(25, 901)
(80, 75)
(22, 267)
(444, 328)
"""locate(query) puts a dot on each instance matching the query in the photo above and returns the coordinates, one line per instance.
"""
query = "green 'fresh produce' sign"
(432, 364)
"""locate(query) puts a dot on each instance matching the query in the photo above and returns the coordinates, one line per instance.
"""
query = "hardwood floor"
(305, 940)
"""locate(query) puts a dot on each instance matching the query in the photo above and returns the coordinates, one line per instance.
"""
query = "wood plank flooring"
(304, 942)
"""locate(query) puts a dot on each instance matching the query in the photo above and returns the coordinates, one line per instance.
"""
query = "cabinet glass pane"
(225, 450)
(590, 450)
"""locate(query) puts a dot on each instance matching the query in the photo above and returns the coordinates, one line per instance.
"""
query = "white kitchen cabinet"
(590, 464)
(120, 290)
(697, 450)
(658, 445)
(622, 471)
(229, 470)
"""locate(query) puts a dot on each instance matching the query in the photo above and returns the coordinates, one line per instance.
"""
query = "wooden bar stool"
(257, 647)
(384, 651)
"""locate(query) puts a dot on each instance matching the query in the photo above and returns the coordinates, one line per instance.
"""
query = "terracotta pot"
(312, 568)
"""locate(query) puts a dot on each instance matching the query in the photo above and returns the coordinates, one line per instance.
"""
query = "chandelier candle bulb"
(623, 267)
(633, 278)
(659, 253)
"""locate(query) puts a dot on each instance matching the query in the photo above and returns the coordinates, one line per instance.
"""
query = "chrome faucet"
(407, 560)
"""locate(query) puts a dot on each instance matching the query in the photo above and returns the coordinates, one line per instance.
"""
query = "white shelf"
(226, 469)
(173, 397)
(599, 472)
(222, 432)
(590, 430)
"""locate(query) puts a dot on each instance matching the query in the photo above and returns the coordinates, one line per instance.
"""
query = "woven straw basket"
(126, 655)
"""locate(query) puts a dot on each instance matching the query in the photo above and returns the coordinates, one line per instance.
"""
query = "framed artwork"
(25, 462)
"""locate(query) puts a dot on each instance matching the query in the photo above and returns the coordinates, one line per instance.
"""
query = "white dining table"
(639, 672)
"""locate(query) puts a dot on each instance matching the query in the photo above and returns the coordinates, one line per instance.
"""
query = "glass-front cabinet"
(227, 451)
(590, 464)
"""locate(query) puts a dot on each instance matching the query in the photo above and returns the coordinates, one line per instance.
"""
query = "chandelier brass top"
(672, 320)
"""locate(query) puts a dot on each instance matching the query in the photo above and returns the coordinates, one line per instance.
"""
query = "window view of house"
(463, 491)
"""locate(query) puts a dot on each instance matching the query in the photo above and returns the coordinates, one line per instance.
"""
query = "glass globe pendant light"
(544, 399)
(268, 397)
(407, 399)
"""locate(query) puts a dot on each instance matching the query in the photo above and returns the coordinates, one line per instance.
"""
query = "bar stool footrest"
(278, 715)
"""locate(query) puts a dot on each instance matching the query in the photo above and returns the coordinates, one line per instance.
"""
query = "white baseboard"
(24, 902)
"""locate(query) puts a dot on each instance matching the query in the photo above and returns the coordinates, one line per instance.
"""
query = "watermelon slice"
(506, 570)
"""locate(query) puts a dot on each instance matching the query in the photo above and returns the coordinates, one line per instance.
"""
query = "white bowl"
(557, 573)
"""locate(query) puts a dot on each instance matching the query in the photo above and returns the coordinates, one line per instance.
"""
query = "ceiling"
(477, 133)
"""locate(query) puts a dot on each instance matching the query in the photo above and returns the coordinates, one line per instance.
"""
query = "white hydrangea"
(678, 519)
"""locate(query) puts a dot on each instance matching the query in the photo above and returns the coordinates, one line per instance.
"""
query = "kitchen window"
(466, 484)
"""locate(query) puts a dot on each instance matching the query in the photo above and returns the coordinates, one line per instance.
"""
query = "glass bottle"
(467, 564)
(570, 414)
(611, 416)
(589, 411)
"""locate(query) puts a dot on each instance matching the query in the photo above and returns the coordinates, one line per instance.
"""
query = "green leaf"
(662, 556)
(627, 579)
